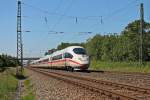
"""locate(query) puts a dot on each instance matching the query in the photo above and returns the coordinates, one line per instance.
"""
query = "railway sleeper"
(99, 90)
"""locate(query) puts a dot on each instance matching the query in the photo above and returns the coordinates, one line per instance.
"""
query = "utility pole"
(141, 34)
(19, 40)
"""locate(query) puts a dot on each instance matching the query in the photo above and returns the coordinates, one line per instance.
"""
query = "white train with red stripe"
(70, 58)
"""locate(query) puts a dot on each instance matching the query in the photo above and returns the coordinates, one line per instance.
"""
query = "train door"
(65, 63)
(68, 56)
(50, 61)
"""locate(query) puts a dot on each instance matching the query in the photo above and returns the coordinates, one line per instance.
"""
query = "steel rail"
(105, 92)
(120, 85)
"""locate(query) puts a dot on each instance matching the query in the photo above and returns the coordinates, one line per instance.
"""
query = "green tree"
(64, 45)
(7, 61)
(94, 47)
(132, 35)
(121, 47)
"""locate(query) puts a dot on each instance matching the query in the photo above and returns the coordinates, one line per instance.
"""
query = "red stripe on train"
(64, 61)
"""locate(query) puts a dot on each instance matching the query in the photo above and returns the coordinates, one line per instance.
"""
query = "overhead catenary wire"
(61, 17)
(55, 10)
(106, 18)
(91, 17)
(60, 14)
(58, 6)
(100, 19)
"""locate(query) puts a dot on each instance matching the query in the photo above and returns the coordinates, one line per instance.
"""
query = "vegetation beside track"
(8, 85)
(120, 66)
(7, 61)
(28, 93)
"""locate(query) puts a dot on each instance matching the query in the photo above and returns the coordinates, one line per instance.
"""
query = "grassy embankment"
(120, 66)
(29, 93)
(8, 85)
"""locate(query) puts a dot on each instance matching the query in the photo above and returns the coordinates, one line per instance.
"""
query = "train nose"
(83, 58)
(84, 67)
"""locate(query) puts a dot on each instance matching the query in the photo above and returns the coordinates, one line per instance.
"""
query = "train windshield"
(79, 51)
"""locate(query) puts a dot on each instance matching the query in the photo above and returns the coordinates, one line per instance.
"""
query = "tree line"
(7, 61)
(123, 46)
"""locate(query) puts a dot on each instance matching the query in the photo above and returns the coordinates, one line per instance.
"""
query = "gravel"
(48, 88)
(130, 79)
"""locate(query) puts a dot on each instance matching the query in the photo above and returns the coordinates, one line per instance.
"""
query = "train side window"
(54, 58)
(45, 60)
(68, 55)
(57, 57)
(60, 56)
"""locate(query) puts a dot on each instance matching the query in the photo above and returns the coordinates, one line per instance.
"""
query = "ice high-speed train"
(70, 58)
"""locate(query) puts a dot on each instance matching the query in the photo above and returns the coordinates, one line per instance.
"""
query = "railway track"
(115, 91)
(138, 79)
(127, 74)
(130, 87)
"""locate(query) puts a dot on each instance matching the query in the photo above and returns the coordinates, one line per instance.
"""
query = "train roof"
(58, 52)
(65, 49)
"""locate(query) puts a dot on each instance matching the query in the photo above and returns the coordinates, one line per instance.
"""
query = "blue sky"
(72, 17)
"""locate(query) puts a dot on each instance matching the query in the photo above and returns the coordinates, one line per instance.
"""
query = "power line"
(79, 17)
(61, 17)
(106, 18)
(55, 10)
(100, 19)
(58, 6)
(59, 14)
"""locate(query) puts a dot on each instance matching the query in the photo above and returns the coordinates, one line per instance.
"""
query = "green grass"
(120, 66)
(29, 93)
(8, 86)
(27, 83)
(29, 96)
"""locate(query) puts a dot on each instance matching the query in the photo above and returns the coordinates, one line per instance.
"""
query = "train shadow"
(83, 71)
(90, 71)
(97, 71)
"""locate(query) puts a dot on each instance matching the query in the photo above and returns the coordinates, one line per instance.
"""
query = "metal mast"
(19, 39)
(141, 34)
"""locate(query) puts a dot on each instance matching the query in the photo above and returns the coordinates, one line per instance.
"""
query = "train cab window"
(79, 51)
(68, 55)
